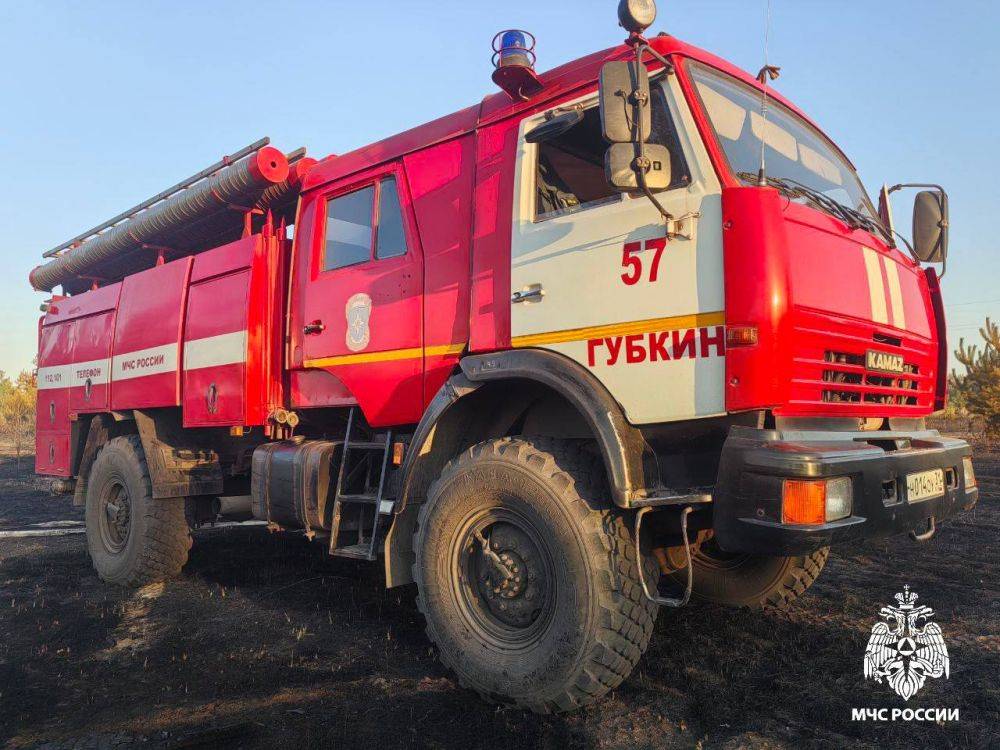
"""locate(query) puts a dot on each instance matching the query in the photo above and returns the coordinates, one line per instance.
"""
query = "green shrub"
(979, 389)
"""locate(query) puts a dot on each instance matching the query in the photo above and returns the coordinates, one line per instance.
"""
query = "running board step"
(360, 501)
(692, 496)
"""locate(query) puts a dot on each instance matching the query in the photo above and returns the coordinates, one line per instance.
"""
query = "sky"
(107, 103)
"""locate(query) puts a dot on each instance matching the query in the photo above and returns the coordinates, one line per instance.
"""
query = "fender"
(178, 465)
(99, 431)
(631, 465)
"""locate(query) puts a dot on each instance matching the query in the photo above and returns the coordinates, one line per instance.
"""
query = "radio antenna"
(768, 72)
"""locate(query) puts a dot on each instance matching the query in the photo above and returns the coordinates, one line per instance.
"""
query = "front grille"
(829, 376)
(856, 384)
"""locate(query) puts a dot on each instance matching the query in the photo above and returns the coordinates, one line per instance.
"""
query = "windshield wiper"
(864, 220)
(854, 218)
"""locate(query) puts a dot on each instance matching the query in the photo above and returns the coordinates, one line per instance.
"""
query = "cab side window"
(349, 229)
(570, 171)
(391, 238)
(569, 174)
(356, 233)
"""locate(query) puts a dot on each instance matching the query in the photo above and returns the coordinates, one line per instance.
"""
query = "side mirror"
(624, 95)
(624, 160)
(930, 226)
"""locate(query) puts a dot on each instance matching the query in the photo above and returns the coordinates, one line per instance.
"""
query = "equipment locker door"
(360, 310)
(595, 277)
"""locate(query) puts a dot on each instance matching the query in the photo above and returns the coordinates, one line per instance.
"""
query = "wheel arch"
(495, 394)
(96, 430)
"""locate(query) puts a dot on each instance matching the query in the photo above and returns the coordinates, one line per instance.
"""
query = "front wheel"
(527, 579)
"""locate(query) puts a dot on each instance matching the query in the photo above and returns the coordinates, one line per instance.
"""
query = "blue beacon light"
(514, 49)
(514, 63)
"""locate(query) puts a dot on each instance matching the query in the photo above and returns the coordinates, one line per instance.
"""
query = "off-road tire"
(755, 581)
(600, 622)
(155, 546)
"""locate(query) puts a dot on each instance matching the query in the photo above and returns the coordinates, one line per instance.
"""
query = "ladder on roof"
(360, 503)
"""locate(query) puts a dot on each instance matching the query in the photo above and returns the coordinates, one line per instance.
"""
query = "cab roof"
(557, 83)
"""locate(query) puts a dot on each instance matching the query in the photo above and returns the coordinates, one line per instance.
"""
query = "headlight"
(970, 475)
(839, 497)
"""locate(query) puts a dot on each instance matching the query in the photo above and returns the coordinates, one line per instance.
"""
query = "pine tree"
(980, 387)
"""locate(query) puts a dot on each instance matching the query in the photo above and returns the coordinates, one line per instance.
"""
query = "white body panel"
(586, 308)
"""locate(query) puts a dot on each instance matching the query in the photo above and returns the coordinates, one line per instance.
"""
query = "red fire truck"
(623, 333)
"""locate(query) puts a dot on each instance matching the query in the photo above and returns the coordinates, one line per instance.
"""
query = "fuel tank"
(292, 483)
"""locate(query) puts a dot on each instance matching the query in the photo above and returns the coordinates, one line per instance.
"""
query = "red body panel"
(799, 277)
(440, 182)
(52, 425)
(490, 321)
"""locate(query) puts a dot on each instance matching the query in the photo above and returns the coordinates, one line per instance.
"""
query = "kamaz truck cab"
(625, 333)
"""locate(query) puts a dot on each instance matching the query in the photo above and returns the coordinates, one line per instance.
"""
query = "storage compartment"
(215, 351)
(234, 334)
(52, 453)
(146, 353)
(55, 357)
(90, 379)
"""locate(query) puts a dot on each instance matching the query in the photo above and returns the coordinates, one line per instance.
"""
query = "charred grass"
(266, 642)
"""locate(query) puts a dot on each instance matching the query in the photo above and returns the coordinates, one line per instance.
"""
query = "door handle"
(314, 328)
(532, 293)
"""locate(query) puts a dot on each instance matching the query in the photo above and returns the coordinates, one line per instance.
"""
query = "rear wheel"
(132, 538)
(528, 581)
(755, 581)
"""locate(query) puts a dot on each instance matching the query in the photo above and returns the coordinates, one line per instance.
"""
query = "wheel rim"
(506, 595)
(115, 516)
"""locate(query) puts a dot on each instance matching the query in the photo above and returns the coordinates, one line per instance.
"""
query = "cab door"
(595, 276)
(361, 307)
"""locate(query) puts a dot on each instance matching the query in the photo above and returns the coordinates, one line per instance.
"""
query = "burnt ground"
(266, 642)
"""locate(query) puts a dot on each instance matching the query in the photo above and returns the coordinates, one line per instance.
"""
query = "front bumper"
(748, 495)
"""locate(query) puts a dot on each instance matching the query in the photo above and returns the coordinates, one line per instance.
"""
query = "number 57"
(633, 263)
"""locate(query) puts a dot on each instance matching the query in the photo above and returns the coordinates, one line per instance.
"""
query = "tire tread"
(166, 538)
(626, 617)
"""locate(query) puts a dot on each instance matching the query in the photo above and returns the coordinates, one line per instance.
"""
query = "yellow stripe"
(391, 355)
(876, 289)
(677, 322)
(895, 293)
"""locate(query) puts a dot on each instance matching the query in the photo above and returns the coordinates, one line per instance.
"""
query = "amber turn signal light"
(398, 449)
(816, 501)
(804, 502)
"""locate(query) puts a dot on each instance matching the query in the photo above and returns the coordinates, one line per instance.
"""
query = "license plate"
(924, 485)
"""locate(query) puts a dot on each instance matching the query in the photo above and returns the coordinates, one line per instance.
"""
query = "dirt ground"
(267, 642)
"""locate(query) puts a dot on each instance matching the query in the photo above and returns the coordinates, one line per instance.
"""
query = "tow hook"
(654, 596)
(925, 535)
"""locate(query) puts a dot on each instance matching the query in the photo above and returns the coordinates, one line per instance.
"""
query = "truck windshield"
(796, 155)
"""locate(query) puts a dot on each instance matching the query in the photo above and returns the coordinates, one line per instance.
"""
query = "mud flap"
(178, 466)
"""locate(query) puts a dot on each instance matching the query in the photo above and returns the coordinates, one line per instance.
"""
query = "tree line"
(17, 411)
